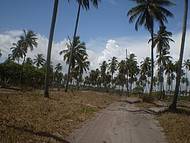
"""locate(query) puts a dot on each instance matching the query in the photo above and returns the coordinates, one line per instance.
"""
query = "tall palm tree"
(48, 61)
(58, 67)
(39, 60)
(145, 70)
(178, 77)
(146, 13)
(79, 54)
(85, 4)
(133, 69)
(103, 71)
(121, 74)
(80, 68)
(169, 71)
(28, 40)
(0, 53)
(161, 41)
(113, 67)
(17, 52)
(187, 68)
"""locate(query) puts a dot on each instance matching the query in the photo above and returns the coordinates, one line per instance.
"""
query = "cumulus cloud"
(9, 37)
(99, 49)
(137, 45)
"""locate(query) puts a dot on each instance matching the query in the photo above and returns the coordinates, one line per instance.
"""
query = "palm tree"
(28, 40)
(58, 67)
(17, 52)
(103, 69)
(178, 77)
(0, 53)
(79, 54)
(29, 61)
(161, 41)
(133, 69)
(145, 70)
(146, 13)
(187, 67)
(169, 71)
(58, 75)
(113, 67)
(39, 60)
(85, 4)
(121, 74)
(46, 92)
(80, 68)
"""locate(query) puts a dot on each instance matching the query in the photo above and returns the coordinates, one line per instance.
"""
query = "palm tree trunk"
(178, 78)
(52, 29)
(152, 58)
(186, 83)
(22, 70)
(71, 55)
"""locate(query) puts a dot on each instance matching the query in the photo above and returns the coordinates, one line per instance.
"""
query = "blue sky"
(105, 30)
(108, 21)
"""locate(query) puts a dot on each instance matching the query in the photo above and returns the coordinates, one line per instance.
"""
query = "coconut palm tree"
(146, 13)
(169, 71)
(121, 75)
(133, 69)
(103, 71)
(79, 54)
(85, 4)
(178, 77)
(80, 68)
(113, 67)
(58, 67)
(161, 41)
(48, 61)
(145, 70)
(0, 53)
(28, 40)
(187, 68)
(39, 60)
(29, 61)
(17, 52)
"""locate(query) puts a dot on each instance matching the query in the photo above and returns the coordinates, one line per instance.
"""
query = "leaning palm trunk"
(71, 53)
(46, 92)
(178, 78)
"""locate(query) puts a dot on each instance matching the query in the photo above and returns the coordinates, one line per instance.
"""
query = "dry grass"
(176, 126)
(31, 118)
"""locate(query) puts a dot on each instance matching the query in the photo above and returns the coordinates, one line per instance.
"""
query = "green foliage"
(10, 75)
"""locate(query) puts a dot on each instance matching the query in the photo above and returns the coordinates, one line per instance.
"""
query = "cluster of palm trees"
(85, 4)
(113, 73)
(146, 13)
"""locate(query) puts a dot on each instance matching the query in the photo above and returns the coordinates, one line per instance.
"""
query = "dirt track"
(120, 123)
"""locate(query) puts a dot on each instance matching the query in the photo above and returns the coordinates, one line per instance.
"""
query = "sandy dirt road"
(121, 122)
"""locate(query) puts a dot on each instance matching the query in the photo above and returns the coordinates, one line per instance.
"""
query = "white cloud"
(138, 45)
(9, 37)
(98, 49)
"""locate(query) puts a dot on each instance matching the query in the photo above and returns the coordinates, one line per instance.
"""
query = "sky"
(106, 30)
